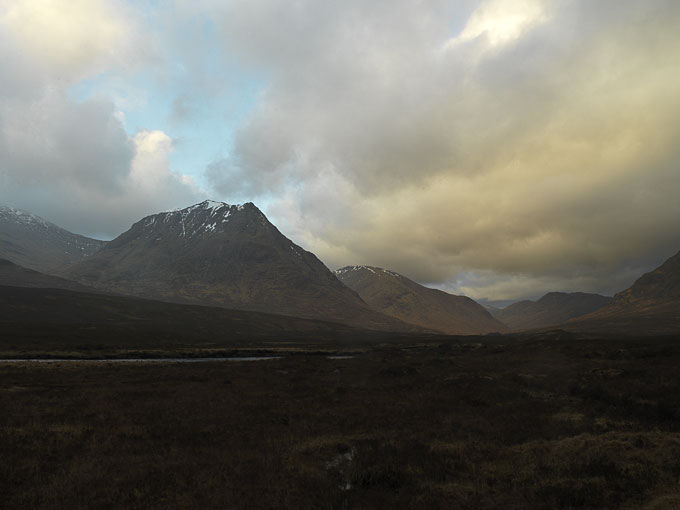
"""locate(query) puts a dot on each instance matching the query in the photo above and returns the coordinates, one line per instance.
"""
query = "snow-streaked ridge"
(375, 270)
(212, 205)
(24, 226)
(212, 214)
(24, 217)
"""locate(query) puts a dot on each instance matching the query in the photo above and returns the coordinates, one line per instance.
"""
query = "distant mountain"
(491, 308)
(394, 294)
(32, 242)
(14, 275)
(553, 308)
(213, 253)
(650, 306)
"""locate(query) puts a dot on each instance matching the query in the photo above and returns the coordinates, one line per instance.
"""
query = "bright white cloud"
(502, 21)
(151, 157)
(150, 172)
(70, 37)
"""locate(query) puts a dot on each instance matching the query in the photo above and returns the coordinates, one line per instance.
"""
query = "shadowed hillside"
(65, 322)
(16, 276)
(32, 242)
(553, 308)
(394, 294)
(650, 306)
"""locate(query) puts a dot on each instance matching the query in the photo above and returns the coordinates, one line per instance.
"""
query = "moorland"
(550, 420)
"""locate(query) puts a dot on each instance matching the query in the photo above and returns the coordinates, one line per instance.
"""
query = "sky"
(495, 148)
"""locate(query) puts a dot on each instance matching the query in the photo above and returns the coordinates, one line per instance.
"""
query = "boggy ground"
(539, 423)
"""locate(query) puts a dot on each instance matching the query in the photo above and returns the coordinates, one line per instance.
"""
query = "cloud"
(535, 144)
(68, 160)
(74, 164)
(501, 22)
(69, 38)
(152, 177)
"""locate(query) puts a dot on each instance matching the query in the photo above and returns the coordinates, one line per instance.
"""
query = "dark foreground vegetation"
(544, 422)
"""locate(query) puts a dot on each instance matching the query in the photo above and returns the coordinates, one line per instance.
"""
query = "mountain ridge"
(651, 305)
(550, 309)
(35, 243)
(398, 296)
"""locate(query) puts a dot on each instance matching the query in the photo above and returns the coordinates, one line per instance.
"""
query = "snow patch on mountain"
(204, 218)
(375, 270)
(35, 243)
(19, 216)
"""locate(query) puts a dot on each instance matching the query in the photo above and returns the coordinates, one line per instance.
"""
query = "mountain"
(650, 306)
(32, 242)
(395, 295)
(661, 284)
(14, 275)
(231, 256)
(553, 308)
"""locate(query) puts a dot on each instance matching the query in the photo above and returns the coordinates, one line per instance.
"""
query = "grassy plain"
(547, 421)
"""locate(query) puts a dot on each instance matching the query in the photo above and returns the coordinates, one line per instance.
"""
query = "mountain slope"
(650, 306)
(553, 308)
(14, 275)
(32, 242)
(396, 295)
(38, 320)
(226, 255)
(661, 284)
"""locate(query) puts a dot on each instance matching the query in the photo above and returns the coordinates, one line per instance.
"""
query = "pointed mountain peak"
(204, 218)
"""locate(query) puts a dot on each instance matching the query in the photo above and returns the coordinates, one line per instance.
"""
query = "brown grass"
(533, 424)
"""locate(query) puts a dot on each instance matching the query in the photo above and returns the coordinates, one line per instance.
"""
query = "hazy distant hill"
(396, 295)
(650, 306)
(32, 242)
(553, 308)
(227, 255)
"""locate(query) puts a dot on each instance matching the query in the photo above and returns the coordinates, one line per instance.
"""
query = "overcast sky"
(497, 148)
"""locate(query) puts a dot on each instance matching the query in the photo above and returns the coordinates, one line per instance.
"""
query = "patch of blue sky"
(201, 124)
(459, 15)
(192, 92)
